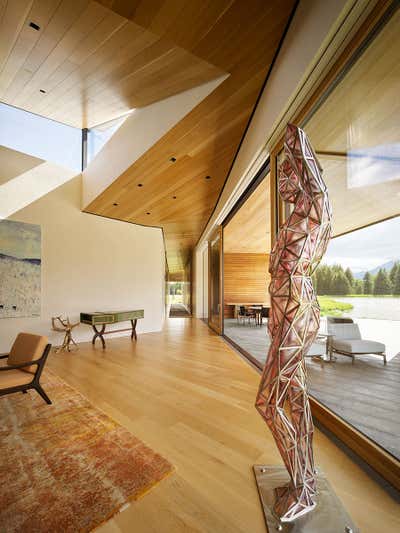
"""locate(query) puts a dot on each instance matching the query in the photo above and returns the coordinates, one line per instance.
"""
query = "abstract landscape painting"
(20, 264)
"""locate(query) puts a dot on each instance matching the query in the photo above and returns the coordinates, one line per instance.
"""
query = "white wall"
(90, 263)
(28, 187)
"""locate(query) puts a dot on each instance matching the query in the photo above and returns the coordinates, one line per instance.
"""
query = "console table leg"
(133, 334)
(99, 334)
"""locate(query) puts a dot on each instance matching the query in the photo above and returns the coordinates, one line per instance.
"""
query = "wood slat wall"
(246, 279)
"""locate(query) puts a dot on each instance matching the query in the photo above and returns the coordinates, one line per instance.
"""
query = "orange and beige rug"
(68, 466)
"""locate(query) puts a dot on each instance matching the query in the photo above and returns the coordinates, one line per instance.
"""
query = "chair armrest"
(4, 355)
(20, 365)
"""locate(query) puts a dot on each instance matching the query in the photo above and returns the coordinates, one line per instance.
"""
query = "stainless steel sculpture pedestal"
(329, 515)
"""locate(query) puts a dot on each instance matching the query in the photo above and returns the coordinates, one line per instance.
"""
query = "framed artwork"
(20, 269)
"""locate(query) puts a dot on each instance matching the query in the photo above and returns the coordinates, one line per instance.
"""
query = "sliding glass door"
(352, 122)
(215, 281)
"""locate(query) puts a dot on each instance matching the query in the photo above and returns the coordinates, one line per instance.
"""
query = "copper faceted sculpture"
(294, 321)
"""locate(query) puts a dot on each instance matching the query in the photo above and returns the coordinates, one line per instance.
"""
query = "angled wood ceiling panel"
(93, 64)
(97, 60)
(237, 37)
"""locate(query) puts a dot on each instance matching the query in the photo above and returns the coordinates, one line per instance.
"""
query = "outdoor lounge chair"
(344, 338)
(24, 365)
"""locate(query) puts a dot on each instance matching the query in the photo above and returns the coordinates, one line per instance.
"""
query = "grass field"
(331, 307)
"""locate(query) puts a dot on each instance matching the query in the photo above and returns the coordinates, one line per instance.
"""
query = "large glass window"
(247, 244)
(355, 132)
(41, 137)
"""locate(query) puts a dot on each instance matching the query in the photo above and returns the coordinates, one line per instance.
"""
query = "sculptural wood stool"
(65, 327)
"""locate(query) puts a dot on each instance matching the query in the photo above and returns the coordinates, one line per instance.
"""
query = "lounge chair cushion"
(27, 347)
(13, 378)
(344, 331)
(357, 346)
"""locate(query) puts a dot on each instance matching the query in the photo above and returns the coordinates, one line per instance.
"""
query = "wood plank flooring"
(187, 394)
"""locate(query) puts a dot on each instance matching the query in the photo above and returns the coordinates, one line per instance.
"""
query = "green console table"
(111, 317)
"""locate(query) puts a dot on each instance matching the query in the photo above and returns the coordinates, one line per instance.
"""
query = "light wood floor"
(187, 394)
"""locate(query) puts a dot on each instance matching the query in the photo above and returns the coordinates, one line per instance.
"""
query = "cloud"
(366, 248)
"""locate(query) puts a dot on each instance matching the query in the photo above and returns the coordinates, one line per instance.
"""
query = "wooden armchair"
(24, 365)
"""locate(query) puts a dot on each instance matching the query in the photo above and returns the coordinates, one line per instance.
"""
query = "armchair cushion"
(357, 346)
(27, 347)
(13, 378)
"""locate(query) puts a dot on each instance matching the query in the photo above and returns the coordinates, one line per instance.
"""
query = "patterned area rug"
(68, 466)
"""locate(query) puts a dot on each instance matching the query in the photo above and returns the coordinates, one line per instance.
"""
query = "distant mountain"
(386, 266)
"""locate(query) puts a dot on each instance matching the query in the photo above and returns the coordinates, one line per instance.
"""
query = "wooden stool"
(66, 327)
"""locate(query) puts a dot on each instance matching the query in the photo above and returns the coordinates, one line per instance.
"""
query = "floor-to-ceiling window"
(247, 244)
(215, 281)
(354, 130)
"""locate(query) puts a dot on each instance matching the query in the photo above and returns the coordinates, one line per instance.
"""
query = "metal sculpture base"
(328, 516)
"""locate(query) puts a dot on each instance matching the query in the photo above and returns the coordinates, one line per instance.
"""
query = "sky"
(366, 248)
(19, 239)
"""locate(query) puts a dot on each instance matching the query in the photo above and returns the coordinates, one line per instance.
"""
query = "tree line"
(331, 280)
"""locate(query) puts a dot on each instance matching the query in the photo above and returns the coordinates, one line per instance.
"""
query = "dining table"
(256, 306)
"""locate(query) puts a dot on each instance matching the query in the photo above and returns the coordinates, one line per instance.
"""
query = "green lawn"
(363, 296)
(331, 307)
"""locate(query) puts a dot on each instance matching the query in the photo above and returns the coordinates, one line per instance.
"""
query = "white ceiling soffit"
(13, 163)
(143, 128)
(18, 192)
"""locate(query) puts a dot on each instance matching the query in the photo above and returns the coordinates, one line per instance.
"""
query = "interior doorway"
(177, 298)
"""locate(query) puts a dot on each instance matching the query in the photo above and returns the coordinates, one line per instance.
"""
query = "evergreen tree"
(329, 281)
(350, 277)
(358, 286)
(396, 285)
(382, 283)
(368, 283)
(340, 283)
(393, 273)
(322, 281)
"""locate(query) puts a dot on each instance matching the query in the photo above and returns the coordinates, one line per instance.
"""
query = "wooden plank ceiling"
(249, 230)
(86, 64)
(97, 60)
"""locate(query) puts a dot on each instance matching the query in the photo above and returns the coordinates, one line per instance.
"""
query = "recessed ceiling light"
(34, 26)
(42, 91)
(208, 177)
(115, 204)
(173, 159)
(140, 184)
